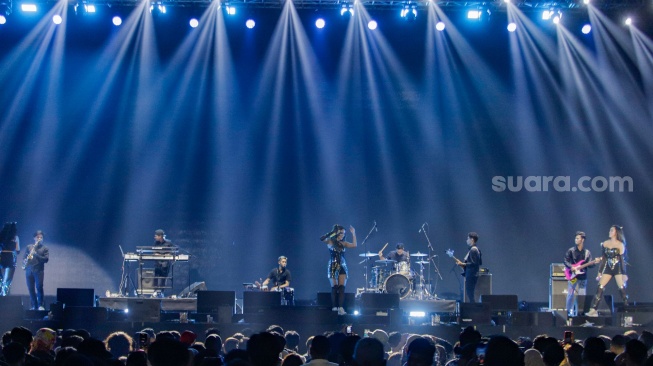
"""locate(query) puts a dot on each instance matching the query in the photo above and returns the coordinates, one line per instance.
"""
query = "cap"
(188, 337)
(159, 232)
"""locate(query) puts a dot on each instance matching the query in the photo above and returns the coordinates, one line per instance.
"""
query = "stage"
(442, 318)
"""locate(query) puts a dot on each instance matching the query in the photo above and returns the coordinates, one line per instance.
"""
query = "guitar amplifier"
(558, 270)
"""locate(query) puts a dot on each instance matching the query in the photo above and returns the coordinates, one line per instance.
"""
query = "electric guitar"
(575, 270)
(458, 261)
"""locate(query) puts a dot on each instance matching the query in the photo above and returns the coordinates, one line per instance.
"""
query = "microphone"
(330, 234)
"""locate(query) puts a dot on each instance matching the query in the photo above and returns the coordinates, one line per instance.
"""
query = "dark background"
(249, 144)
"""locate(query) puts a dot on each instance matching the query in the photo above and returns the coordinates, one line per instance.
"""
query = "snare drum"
(403, 268)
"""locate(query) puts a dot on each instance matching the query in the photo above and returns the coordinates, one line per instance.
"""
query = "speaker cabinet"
(146, 281)
(558, 294)
(213, 301)
(500, 303)
(373, 301)
(255, 301)
(558, 298)
(483, 287)
(144, 310)
(477, 314)
(76, 297)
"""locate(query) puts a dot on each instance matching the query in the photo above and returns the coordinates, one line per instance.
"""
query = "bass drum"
(397, 284)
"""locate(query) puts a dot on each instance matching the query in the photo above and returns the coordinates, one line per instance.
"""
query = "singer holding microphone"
(36, 255)
(337, 268)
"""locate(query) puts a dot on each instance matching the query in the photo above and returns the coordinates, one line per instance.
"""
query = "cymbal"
(368, 254)
(385, 261)
(422, 262)
(418, 254)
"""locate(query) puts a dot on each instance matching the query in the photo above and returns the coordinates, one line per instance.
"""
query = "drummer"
(400, 256)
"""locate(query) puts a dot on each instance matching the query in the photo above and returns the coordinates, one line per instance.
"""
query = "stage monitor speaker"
(477, 313)
(256, 301)
(212, 301)
(191, 291)
(374, 301)
(144, 310)
(501, 302)
(13, 309)
(324, 300)
(483, 287)
(76, 297)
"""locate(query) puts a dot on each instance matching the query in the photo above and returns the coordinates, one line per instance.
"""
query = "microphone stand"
(367, 259)
(428, 241)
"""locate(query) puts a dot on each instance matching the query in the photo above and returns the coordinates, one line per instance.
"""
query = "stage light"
(57, 19)
(372, 25)
(408, 13)
(194, 23)
(90, 8)
(628, 21)
(439, 26)
(417, 314)
(547, 14)
(356, 312)
(3, 19)
(116, 21)
(557, 19)
(28, 8)
(586, 29)
(512, 27)
(320, 23)
(126, 311)
(586, 2)
(474, 14)
(250, 23)
(230, 10)
(160, 8)
(347, 10)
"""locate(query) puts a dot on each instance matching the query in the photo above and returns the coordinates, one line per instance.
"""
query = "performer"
(471, 265)
(36, 255)
(401, 257)
(613, 264)
(10, 248)
(576, 257)
(280, 277)
(161, 268)
(337, 268)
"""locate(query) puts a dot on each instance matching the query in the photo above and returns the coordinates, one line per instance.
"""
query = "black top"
(39, 258)
(166, 243)
(279, 278)
(473, 261)
(574, 256)
(393, 255)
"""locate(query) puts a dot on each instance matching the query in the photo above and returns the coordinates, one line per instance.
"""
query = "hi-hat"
(418, 254)
(368, 254)
(385, 261)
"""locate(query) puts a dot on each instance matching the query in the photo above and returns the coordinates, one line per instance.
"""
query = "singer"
(337, 267)
(36, 255)
(10, 248)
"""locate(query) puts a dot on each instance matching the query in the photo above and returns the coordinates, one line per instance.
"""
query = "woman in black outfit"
(613, 264)
(337, 268)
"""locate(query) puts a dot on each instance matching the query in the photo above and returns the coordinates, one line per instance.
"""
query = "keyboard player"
(161, 268)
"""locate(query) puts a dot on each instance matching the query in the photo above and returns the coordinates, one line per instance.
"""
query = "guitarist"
(471, 264)
(574, 258)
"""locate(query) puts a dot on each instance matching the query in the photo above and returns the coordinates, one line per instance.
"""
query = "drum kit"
(389, 276)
